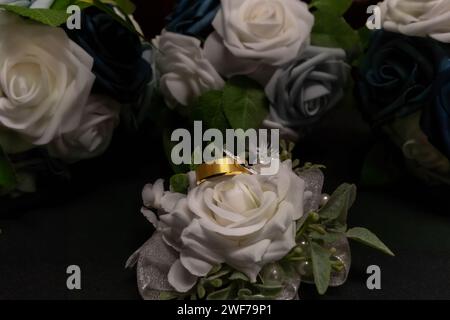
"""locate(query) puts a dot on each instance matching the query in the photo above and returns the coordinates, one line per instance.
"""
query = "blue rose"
(193, 17)
(302, 92)
(397, 75)
(120, 70)
(436, 119)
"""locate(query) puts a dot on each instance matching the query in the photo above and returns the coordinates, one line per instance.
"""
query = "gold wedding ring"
(220, 167)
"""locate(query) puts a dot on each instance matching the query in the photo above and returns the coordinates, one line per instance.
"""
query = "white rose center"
(26, 83)
(235, 197)
(265, 18)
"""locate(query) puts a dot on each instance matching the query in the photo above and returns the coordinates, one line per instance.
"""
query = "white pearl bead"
(324, 200)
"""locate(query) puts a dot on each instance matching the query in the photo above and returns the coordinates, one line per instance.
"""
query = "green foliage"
(335, 211)
(331, 30)
(368, 238)
(338, 7)
(209, 109)
(125, 6)
(244, 102)
(51, 17)
(321, 230)
(8, 179)
(320, 258)
(62, 4)
(179, 183)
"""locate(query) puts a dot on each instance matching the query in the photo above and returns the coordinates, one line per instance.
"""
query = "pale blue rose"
(34, 4)
(306, 89)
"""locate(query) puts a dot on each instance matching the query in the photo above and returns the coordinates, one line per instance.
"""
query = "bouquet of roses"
(251, 64)
(68, 71)
(404, 84)
(226, 228)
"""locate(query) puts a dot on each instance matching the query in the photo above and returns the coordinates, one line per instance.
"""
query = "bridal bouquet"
(227, 232)
(404, 84)
(249, 64)
(68, 71)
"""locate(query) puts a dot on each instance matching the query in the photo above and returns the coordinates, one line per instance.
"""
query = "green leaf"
(216, 283)
(321, 266)
(333, 31)
(209, 109)
(50, 17)
(168, 295)
(245, 103)
(83, 4)
(215, 269)
(239, 276)
(8, 179)
(62, 4)
(218, 275)
(244, 293)
(369, 239)
(201, 292)
(340, 202)
(337, 7)
(222, 294)
(327, 238)
(179, 183)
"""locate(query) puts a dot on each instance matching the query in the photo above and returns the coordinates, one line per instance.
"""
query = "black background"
(94, 221)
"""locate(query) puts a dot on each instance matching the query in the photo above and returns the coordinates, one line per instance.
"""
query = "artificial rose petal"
(251, 35)
(180, 278)
(153, 193)
(417, 18)
(45, 79)
(185, 72)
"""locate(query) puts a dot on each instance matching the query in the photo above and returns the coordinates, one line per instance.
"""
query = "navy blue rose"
(193, 17)
(120, 70)
(436, 119)
(397, 75)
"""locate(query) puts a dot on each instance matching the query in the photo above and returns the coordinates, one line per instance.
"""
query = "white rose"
(185, 73)
(93, 136)
(44, 78)
(253, 33)
(417, 18)
(245, 221)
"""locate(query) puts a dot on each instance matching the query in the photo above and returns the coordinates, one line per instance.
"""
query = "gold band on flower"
(220, 167)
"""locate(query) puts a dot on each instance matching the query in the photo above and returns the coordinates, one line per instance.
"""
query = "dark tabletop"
(94, 222)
